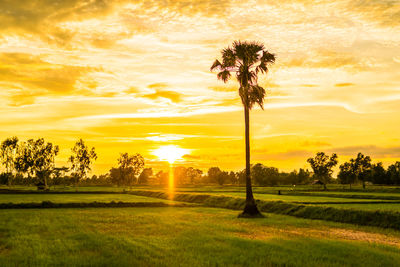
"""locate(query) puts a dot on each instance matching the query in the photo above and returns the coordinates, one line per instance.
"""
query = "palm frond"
(268, 58)
(262, 68)
(215, 65)
(224, 75)
(228, 58)
(256, 95)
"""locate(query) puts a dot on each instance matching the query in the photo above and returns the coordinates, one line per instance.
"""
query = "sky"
(133, 76)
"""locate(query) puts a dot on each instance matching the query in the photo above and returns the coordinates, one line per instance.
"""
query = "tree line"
(359, 169)
(33, 162)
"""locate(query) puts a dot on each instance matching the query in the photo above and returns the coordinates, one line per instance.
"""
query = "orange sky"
(131, 76)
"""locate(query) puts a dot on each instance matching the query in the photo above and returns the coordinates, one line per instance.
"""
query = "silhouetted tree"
(246, 60)
(213, 174)
(59, 174)
(233, 177)
(115, 175)
(81, 159)
(393, 173)
(362, 167)
(8, 155)
(162, 177)
(194, 175)
(347, 173)
(130, 167)
(322, 166)
(263, 175)
(180, 175)
(145, 175)
(303, 176)
(222, 177)
(36, 157)
(378, 174)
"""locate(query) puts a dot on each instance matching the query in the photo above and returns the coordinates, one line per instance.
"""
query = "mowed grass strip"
(185, 237)
(69, 198)
(305, 199)
(112, 204)
(385, 219)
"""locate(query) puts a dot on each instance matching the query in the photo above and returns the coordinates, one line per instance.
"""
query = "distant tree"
(130, 167)
(263, 175)
(115, 176)
(36, 157)
(258, 174)
(145, 175)
(213, 174)
(322, 166)
(194, 175)
(393, 173)
(246, 60)
(59, 175)
(241, 177)
(347, 174)
(233, 177)
(362, 167)
(162, 177)
(303, 176)
(378, 174)
(180, 175)
(9, 150)
(222, 177)
(81, 159)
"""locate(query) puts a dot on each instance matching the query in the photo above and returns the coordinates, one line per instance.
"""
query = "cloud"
(171, 95)
(384, 12)
(283, 155)
(29, 76)
(36, 15)
(344, 84)
(310, 143)
(369, 150)
(309, 85)
(158, 86)
(327, 59)
(191, 157)
(132, 90)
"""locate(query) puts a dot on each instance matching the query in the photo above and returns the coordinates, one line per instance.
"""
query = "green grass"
(68, 198)
(184, 237)
(384, 218)
(374, 207)
(295, 198)
(68, 188)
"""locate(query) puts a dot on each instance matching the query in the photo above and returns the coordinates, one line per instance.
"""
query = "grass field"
(191, 236)
(68, 198)
(185, 237)
(374, 207)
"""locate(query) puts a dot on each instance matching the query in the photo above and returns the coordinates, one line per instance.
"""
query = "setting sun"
(170, 153)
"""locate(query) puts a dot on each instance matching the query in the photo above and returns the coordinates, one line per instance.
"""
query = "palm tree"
(246, 60)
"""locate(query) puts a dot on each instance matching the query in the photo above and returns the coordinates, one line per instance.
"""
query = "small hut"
(317, 182)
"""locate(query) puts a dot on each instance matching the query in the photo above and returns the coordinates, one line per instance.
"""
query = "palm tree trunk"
(250, 209)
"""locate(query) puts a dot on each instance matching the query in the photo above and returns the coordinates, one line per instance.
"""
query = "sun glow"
(170, 153)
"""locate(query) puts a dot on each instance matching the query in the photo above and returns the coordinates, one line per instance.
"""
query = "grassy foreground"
(185, 237)
(380, 218)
